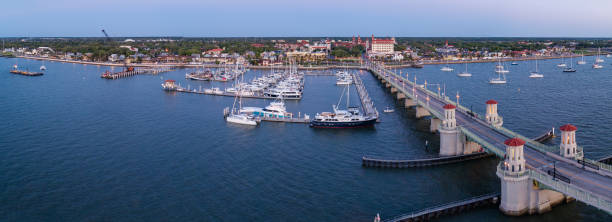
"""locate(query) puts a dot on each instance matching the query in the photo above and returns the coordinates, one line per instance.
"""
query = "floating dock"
(449, 208)
(201, 91)
(388, 163)
(25, 73)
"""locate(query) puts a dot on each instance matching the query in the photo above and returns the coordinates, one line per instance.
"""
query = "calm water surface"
(74, 147)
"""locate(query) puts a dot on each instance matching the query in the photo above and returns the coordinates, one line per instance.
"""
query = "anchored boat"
(349, 118)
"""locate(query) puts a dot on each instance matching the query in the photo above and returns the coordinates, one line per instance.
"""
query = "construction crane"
(105, 34)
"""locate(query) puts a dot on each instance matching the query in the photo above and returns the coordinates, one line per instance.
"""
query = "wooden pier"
(286, 120)
(449, 208)
(390, 163)
(367, 103)
(131, 71)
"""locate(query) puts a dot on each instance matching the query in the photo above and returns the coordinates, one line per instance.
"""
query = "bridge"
(463, 132)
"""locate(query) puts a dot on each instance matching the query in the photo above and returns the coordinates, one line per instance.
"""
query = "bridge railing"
(572, 190)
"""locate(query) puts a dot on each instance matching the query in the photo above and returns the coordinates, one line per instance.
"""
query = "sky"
(312, 18)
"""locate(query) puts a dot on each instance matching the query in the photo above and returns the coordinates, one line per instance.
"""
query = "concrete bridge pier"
(400, 96)
(515, 187)
(388, 85)
(393, 90)
(409, 102)
(422, 112)
(434, 124)
(519, 193)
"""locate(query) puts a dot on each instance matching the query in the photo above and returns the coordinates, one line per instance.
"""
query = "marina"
(181, 110)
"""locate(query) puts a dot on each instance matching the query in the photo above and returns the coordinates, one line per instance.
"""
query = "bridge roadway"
(587, 180)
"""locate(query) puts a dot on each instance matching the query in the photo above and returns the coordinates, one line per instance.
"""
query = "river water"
(75, 147)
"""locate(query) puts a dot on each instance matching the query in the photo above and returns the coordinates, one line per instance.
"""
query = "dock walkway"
(366, 102)
(449, 208)
(390, 163)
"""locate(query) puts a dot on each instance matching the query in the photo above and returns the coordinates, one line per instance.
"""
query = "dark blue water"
(74, 147)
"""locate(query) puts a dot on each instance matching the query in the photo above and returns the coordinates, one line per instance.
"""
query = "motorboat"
(388, 110)
(514, 63)
(169, 85)
(242, 119)
(597, 66)
(446, 69)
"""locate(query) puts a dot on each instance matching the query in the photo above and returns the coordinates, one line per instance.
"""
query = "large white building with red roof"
(382, 46)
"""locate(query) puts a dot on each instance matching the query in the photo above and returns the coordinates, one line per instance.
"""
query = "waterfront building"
(382, 46)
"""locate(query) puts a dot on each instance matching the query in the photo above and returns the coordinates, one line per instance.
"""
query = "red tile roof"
(491, 102)
(449, 106)
(514, 142)
(568, 127)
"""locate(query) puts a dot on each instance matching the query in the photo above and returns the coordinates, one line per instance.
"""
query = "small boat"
(465, 73)
(571, 68)
(514, 63)
(499, 68)
(597, 66)
(446, 69)
(169, 85)
(388, 110)
(242, 119)
(536, 74)
(377, 218)
(608, 55)
(581, 62)
(561, 65)
(499, 79)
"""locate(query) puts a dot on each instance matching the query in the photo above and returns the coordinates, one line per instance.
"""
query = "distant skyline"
(278, 18)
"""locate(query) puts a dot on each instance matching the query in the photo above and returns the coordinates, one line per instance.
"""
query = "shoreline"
(323, 67)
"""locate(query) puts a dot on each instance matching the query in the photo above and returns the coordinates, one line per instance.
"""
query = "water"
(74, 147)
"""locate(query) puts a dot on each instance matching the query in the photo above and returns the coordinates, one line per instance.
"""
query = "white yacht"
(347, 80)
(536, 73)
(276, 109)
(243, 119)
(465, 73)
(499, 68)
(562, 64)
(597, 66)
(446, 69)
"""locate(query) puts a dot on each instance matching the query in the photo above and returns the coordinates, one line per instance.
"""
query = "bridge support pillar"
(471, 147)
(449, 134)
(393, 90)
(400, 96)
(409, 102)
(383, 81)
(434, 124)
(388, 85)
(515, 183)
(422, 112)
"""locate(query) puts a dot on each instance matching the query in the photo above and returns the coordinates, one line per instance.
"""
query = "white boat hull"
(240, 119)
